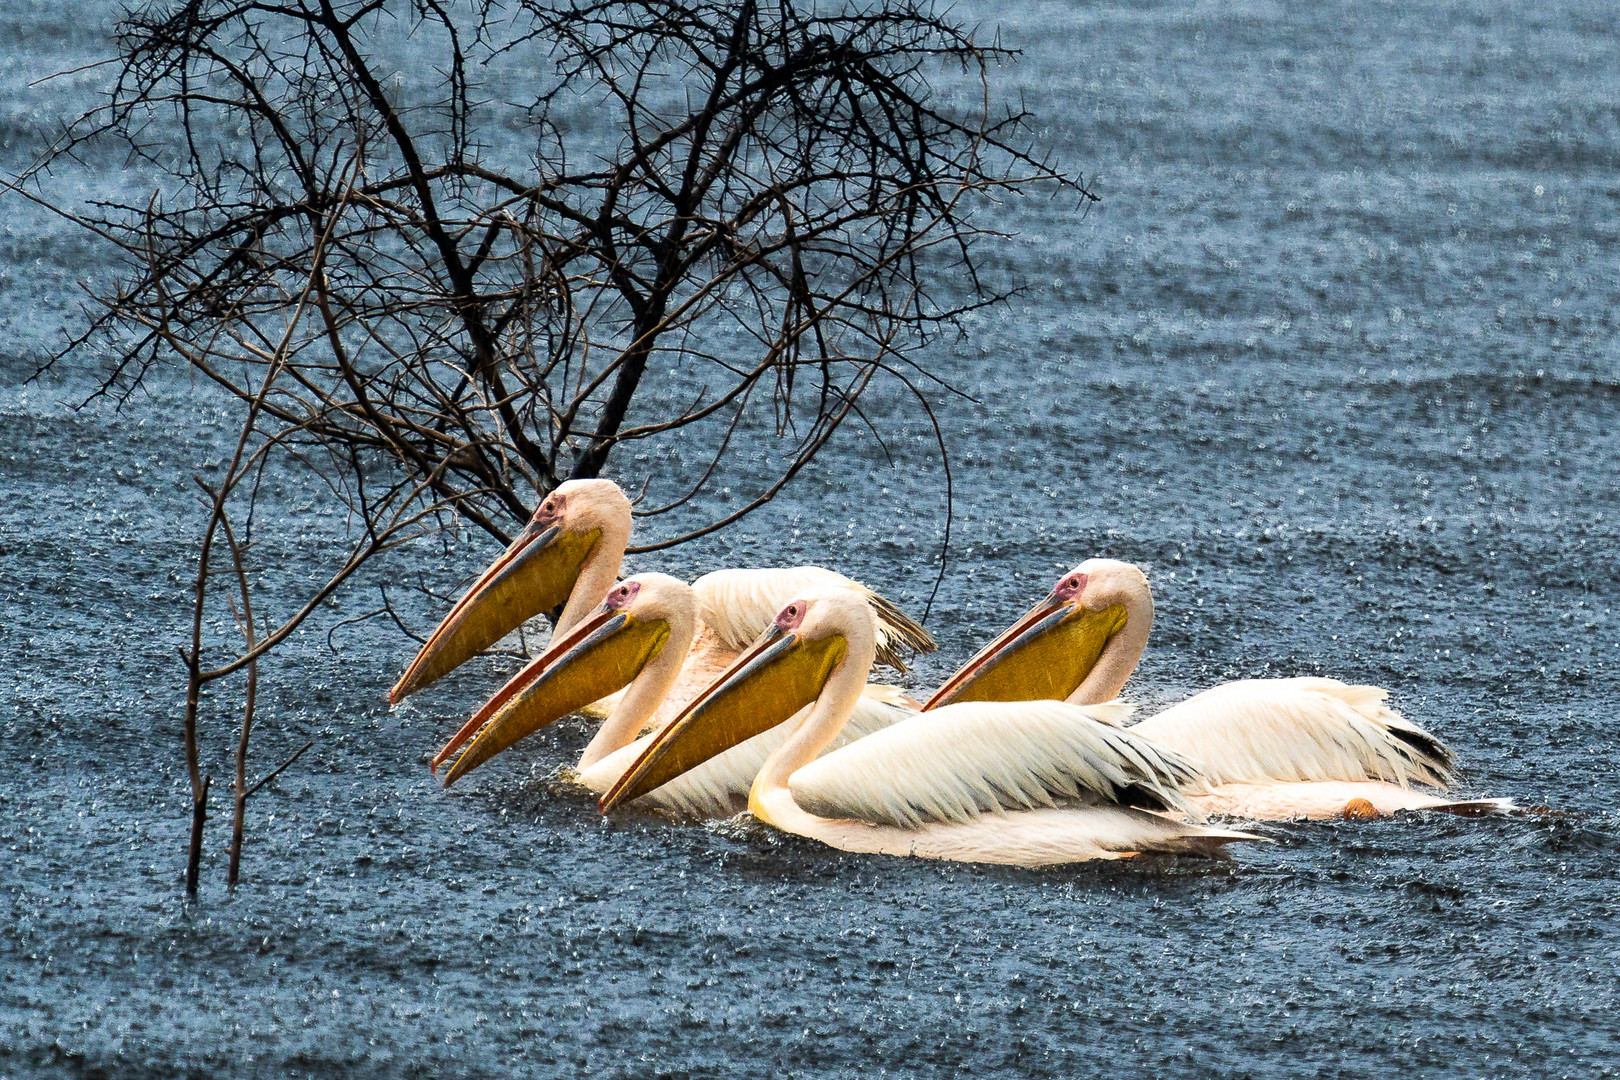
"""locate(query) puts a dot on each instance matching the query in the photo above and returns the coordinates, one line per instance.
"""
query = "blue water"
(1335, 359)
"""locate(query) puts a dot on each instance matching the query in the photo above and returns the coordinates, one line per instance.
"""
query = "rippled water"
(1335, 359)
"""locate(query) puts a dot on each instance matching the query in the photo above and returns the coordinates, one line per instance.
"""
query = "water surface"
(1335, 359)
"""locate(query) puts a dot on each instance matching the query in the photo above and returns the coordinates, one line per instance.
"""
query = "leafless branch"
(730, 222)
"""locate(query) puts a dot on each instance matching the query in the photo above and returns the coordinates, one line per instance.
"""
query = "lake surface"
(1336, 359)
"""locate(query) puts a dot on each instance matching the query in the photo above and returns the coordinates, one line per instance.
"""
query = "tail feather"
(1206, 840)
(1479, 807)
(1430, 760)
(1428, 752)
(900, 636)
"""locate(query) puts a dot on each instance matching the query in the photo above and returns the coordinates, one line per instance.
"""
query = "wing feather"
(1308, 729)
(969, 759)
(719, 787)
(739, 604)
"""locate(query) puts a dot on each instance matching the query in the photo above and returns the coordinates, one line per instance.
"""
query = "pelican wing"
(962, 761)
(739, 604)
(1310, 729)
(719, 787)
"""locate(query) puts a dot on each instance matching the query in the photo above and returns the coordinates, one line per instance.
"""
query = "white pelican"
(1270, 748)
(570, 553)
(1028, 784)
(636, 641)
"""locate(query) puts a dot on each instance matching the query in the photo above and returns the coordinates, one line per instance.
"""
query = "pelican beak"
(1043, 657)
(603, 654)
(778, 675)
(535, 574)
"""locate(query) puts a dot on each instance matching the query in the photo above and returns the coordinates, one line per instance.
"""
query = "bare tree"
(724, 218)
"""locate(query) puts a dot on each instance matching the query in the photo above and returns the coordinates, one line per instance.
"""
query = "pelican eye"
(788, 617)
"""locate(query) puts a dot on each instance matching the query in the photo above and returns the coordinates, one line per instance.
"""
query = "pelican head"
(642, 616)
(1056, 646)
(812, 638)
(581, 521)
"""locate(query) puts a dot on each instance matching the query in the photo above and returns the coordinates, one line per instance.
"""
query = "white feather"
(1043, 837)
(1324, 799)
(1308, 729)
(964, 760)
(738, 605)
(719, 787)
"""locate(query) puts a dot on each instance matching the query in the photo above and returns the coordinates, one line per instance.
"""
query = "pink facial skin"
(791, 616)
(551, 511)
(622, 596)
(1070, 586)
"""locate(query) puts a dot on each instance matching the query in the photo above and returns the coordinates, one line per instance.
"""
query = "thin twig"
(273, 773)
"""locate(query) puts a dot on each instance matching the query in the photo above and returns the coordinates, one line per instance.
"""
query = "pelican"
(637, 641)
(1270, 748)
(1026, 784)
(569, 555)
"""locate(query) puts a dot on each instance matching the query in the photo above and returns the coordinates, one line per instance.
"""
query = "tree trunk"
(199, 814)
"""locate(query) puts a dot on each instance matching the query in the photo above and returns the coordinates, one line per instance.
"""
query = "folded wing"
(719, 787)
(1309, 729)
(963, 761)
(739, 604)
